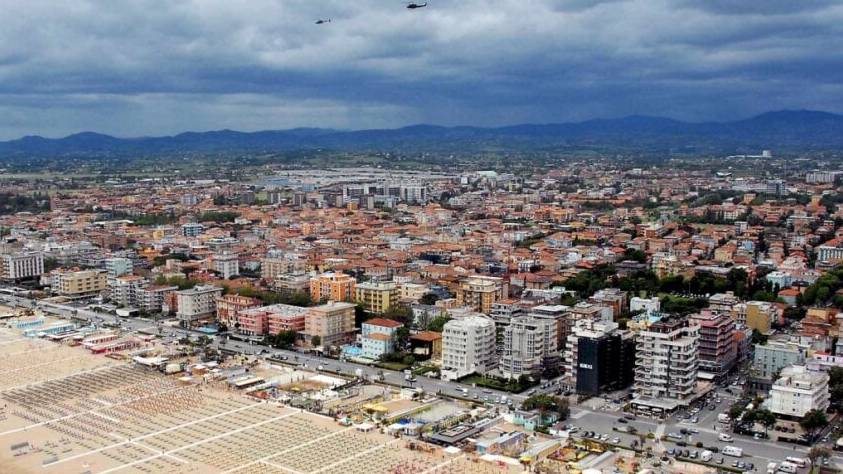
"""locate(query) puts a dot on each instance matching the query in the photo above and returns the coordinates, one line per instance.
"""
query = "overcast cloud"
(151, 67)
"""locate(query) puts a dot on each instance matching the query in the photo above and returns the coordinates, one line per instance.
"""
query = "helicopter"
(322, 22)
(413, 6)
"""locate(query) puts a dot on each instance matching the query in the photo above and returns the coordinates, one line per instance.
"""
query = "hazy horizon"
(152, 68)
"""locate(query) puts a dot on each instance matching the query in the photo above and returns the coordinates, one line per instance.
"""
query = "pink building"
(271, 319)
(285, 322)
(229, 305)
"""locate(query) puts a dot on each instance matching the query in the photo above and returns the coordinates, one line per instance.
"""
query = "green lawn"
(512, 386)
(397, 366)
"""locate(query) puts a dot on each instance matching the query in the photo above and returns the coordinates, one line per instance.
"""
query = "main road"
(311, 361)
(760, 452)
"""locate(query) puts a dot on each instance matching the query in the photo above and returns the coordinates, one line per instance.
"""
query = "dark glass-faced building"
(605, 363)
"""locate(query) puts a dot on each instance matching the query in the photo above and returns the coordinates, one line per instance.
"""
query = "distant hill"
(794, 130)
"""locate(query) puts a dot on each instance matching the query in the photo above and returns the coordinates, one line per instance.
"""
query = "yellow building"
(376, 297)
(332, 287)
(479, 292)
(759, 316)
(79, 282)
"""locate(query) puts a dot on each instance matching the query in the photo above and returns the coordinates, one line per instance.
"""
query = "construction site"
(68, 409)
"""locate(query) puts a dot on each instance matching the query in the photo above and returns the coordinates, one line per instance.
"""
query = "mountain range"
(798, 130)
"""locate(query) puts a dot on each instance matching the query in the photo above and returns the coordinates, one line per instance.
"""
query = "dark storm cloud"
(139, 67)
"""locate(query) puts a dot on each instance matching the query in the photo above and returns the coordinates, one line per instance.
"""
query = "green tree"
(218, 216)
(402, 338)
(315, 341)
(766, 418)
(429, 299)
(735, 411)
(400, 313)
(818, 452)
(547, 403)
(823, 293)
(813, 421)
(286, 339)
(835, 387)
(636, 255)
(438, 323)
(749, 416)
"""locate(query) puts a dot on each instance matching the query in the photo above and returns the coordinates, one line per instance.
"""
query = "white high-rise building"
(798, 391)
(468, 345)
(18, 265)
(529, 345)
(197, 303)
(666, 363)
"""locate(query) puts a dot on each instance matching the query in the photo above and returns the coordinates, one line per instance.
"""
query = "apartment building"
(599, 357)
(273, 319)
(718, 351)
(830, 254)
(197, 304)
(759, 316)
(226, 264)
(580, 312)
(20, 264)
(666, 365)
(412, 292)
(150, 299)
(333, 323)
(529, 347)
(79, 283)
(192, 229)
(822, 177)
(279, 263)
(770, 358)
(332, 287)
(468, 346)
(377, 337)
(291, 283)
(118, 266)
(376, 297)
(612, 298)
(480, 292)
(798, 391)
(124, 290)
(723, 302)
(503, 312)
(229, 305)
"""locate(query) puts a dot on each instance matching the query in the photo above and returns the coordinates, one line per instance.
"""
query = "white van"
(725, 437)
(801, 462)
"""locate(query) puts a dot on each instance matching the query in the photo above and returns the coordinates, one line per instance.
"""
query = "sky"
(160, 67)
